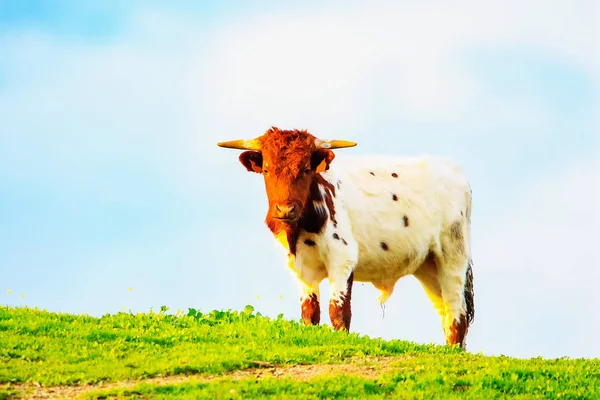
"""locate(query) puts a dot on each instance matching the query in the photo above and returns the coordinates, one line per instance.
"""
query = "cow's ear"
(252, 160)
(321, 159)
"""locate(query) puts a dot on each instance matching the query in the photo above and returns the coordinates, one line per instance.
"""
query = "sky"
(114, 195)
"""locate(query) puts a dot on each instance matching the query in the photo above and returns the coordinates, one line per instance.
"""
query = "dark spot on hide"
(456, 230)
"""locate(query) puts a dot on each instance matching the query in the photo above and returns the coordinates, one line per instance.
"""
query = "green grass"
(63, 349)
(486, 384)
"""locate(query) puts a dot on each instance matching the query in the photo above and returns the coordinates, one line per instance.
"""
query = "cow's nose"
(285, 211)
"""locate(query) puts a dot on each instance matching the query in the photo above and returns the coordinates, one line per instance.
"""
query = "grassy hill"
(235, 355)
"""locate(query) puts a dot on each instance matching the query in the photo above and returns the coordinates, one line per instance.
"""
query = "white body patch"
(393, 215)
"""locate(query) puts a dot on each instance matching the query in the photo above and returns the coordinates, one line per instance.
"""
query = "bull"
(366, 219)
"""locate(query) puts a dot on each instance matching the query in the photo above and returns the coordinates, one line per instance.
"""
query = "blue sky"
(110, 178)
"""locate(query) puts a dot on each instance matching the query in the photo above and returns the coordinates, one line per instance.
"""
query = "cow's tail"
(469, 294)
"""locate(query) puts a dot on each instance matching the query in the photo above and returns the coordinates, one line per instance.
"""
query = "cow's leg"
(455, 322)
(308, 279)
(427, 275)
(453, 272)
(309, 302)
(340, 311)
(340, 262)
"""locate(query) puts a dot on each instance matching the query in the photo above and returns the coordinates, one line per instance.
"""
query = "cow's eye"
(265, 171)
(307, 171)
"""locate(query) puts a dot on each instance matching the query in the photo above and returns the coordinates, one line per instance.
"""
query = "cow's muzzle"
(286, 212)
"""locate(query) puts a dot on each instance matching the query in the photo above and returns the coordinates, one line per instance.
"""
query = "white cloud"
(334, 71)
(553, 223)
(546, 242)
(380, 61)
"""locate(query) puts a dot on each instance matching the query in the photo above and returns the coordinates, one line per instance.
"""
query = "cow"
(369, 219)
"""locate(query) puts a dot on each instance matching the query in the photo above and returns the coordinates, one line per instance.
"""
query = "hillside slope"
(245, 355)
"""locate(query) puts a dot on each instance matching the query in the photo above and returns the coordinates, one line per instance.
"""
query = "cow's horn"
(333, 144)
(241, 144)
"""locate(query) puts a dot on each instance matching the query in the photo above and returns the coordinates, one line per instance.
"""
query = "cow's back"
(397, 208)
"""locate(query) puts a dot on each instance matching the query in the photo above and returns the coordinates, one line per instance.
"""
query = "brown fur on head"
(288, 161)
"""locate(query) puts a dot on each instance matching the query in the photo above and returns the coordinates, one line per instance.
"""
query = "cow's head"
(288, 161)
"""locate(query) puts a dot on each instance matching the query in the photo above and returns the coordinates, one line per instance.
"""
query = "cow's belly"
(386, 270)
(384, 267)
(389, 250)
